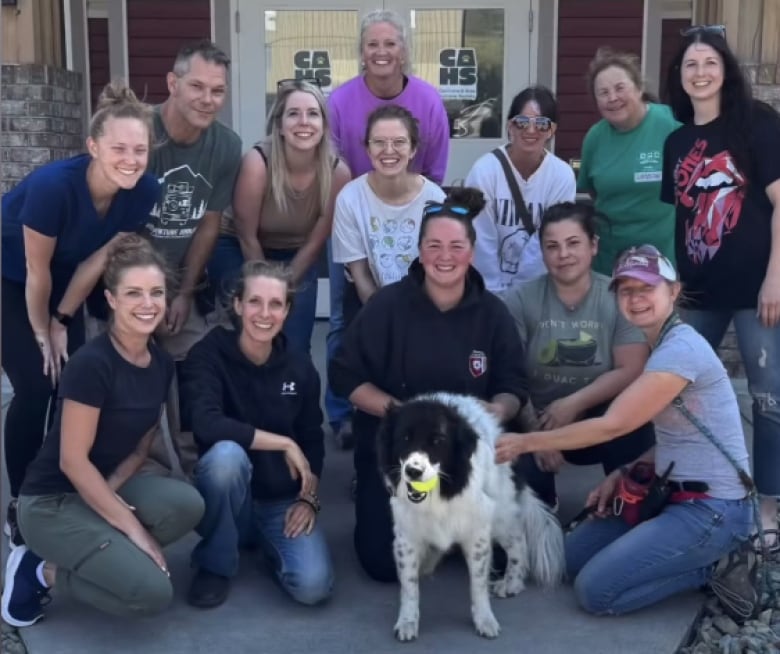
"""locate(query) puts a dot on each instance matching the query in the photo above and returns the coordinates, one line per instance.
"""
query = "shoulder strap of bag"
(517, 196)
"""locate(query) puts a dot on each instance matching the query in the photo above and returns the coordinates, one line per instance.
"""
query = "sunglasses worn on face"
(432, 208)
(290, 80)
(718, 30)
(541, 123)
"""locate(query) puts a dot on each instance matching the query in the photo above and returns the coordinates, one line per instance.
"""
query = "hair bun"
(467, 196)
(116, 92)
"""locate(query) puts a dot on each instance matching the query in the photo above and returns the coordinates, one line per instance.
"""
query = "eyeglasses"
(380, 145)
(291, 80)
(432, 208)
(541, 123)
(717, 30)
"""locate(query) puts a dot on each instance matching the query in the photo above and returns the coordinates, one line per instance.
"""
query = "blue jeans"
(617, 569)
(337, 408)
(760, 350)
(232, 520)
(225, 266)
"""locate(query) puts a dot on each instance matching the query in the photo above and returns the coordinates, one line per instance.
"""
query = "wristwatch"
(63, 318)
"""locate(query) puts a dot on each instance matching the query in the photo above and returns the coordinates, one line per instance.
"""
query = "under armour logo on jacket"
(288, 388)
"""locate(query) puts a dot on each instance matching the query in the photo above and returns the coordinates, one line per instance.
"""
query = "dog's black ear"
(463, 444)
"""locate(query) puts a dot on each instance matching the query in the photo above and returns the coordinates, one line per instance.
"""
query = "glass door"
(478, 58)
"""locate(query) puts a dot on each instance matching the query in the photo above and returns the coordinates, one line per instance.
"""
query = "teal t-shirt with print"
(567, 349)
(623, 171)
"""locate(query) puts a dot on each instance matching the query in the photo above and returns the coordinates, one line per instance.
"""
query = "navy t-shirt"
(129, 397)
(54, 200)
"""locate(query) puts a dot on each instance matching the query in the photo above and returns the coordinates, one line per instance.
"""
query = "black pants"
(610, 455)
(25, 421)
(373, 516)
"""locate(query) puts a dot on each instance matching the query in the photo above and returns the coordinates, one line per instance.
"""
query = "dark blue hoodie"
(227, 397)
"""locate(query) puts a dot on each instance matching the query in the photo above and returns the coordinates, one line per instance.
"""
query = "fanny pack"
(641, 494)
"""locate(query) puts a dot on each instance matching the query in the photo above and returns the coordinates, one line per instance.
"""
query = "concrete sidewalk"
(258, 617)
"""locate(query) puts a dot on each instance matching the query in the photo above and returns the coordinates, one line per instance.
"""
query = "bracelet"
(314, 505)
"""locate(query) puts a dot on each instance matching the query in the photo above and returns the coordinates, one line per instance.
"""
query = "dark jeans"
(373, 535)
(610, 455)
(25, 422)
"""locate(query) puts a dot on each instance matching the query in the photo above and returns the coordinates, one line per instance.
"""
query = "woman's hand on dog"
(509, 446)
(601, 496)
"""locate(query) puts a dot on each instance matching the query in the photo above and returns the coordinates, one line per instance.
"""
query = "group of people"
(508, 289)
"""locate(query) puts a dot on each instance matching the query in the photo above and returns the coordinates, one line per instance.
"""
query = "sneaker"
(11, 527)
(208, 590)
(23, 594)
(345, 439)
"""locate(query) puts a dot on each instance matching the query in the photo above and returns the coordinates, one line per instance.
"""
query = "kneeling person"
(255, 411)
(91, 525)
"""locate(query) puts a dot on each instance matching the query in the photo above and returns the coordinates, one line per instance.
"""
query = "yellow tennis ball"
(425, 486)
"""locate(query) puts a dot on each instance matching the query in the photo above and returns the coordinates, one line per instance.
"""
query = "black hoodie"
(227, 397)
(403, 344)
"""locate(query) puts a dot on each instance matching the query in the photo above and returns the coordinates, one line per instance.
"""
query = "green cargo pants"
(96, 563)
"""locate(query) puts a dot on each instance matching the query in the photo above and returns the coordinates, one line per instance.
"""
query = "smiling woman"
(57, 227)
(92, 526)
(254, 403)
(621, 159)
(283, 202)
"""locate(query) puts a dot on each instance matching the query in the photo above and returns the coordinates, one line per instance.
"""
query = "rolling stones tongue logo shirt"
(723, 216)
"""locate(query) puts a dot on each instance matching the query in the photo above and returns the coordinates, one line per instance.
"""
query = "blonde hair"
(117, 100)
(391, 18)
(277, 158)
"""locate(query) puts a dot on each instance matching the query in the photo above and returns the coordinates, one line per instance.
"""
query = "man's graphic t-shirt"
(723, 215)
(194, 178)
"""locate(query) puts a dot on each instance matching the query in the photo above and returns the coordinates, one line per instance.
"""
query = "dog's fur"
(476, 502)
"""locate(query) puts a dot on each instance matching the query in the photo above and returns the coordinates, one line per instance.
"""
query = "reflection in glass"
(311, 44)
(461, 52)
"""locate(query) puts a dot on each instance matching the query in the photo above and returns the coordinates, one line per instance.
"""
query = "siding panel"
(583, 27)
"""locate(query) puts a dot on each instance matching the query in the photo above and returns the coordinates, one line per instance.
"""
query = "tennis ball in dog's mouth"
(425, 486)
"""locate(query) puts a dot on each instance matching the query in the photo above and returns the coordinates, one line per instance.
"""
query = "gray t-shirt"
(194, 179)
(710, 397)
(567, 349)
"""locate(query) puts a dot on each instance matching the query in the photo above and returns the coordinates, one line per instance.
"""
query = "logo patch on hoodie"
(477, 363)
(288, 388)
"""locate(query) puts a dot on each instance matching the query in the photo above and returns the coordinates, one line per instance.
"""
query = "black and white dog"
(444, 443)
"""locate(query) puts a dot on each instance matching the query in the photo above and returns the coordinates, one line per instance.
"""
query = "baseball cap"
(645, 263)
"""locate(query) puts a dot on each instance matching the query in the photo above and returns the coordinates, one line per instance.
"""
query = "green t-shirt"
(566, 350)
(623, 171)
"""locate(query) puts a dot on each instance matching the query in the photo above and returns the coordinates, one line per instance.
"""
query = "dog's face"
(423, 439)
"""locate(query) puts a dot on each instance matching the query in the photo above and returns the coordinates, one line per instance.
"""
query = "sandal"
(735, 582)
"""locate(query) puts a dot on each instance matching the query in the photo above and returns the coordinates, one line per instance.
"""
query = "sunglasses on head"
(291, 80)
(541, 123)
(432, 208)
(717, 30)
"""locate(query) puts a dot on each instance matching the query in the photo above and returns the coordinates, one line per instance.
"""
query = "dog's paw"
(487, 625)
(406, 629)
(506, 588)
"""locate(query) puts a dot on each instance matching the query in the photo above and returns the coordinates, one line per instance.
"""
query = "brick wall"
(41, 119)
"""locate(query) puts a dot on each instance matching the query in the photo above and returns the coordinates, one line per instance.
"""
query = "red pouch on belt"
(640, 493)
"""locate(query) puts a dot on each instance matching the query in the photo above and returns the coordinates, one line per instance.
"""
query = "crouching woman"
(91, 526)
(255, 410)
(616, 568)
